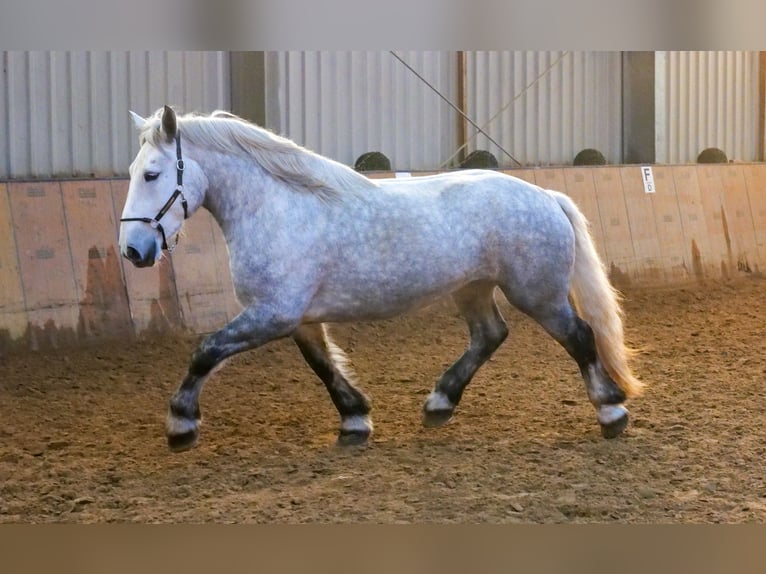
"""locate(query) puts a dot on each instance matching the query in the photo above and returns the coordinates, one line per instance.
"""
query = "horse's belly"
(372, 304)
(396, 277)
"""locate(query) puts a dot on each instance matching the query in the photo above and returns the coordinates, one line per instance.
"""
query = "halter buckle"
(180, 164)
(154, 223)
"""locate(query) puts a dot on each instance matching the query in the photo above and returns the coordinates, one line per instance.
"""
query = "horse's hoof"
(613, 420)
(615, 428)
(352, 438)
(437, 410)
(183, 441)
(182, 432)
(438, 418)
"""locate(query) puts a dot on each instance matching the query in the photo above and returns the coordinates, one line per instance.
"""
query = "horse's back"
(484, 197)
(457, 226)
(473, 178)
(466, 186)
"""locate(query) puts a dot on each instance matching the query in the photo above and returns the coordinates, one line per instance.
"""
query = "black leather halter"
(179, 191)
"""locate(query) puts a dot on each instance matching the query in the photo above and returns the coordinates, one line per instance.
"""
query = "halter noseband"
(179, 191)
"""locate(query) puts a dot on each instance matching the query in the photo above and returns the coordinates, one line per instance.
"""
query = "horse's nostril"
(133, 255)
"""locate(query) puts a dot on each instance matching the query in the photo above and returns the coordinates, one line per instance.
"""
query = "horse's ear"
(137, 120)
(169, 123)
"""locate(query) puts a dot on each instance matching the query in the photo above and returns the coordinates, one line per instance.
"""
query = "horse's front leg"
(252, 328)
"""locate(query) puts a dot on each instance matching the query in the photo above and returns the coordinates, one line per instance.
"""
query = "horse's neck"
(233, 185)
(240, 192)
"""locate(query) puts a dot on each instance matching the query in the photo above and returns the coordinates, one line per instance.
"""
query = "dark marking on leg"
(204, 359)
(487, 331)
(576, 336)
(253, 327)
(326, 360)
(183, 421)
(182, 409)
(581, 345)
(579, 342)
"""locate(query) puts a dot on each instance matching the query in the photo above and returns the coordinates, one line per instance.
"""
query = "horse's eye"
(149, 176)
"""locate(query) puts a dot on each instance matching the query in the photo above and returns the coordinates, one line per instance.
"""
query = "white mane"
(279, 156)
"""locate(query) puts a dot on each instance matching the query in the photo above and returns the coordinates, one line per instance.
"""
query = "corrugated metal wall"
(66, 113)
(554, 104)
(706, 99)
(343, 104)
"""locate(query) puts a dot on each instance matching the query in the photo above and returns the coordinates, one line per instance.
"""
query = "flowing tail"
(598, 303)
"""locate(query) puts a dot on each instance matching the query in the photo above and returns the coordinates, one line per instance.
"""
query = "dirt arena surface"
(81, 432)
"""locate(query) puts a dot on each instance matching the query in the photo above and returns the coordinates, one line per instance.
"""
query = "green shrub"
(372, 161)
(589, 156)
(712, 155)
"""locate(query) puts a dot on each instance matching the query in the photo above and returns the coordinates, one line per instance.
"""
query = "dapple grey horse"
(311, 241)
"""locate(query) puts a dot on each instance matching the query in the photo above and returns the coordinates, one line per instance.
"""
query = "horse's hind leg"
(487, 330)
(328, 362)
(576, 336)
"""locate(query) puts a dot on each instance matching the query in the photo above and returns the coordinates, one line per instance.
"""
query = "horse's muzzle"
(139, 259)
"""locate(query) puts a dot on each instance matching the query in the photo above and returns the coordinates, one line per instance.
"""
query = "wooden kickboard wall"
(62, 281)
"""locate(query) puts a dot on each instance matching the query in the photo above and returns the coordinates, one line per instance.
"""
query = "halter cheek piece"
(179, 191)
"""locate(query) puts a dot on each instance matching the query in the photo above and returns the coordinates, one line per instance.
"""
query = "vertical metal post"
(248, 85)
(462, 92)
(761, 106)
(638, 107)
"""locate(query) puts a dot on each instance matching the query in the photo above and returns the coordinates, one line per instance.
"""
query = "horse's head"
(166, 187)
